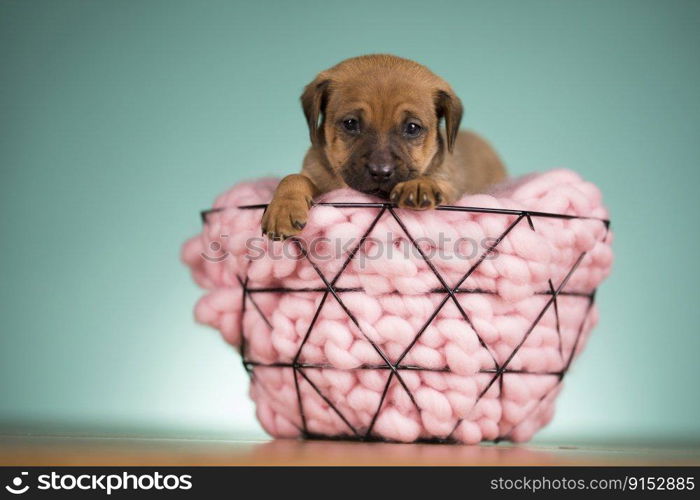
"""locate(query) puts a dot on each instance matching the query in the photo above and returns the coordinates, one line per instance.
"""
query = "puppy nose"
(380, 172)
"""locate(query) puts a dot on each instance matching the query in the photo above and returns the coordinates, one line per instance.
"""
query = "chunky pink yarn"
(371, 358)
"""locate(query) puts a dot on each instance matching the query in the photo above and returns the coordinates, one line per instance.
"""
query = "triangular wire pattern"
(448, 294)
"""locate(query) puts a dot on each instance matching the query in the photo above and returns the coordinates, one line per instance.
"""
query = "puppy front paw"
(417, 194)
(285, 217)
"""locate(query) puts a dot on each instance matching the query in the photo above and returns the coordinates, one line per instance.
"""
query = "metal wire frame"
(450, 293)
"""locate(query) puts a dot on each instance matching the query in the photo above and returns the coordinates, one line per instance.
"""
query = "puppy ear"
(450, 108)
(313, 102)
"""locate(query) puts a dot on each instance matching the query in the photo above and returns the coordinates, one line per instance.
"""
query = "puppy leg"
(423, 193)
(286, 214)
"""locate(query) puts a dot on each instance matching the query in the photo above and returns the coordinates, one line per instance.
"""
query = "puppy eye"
(351, 125)
(412, 129)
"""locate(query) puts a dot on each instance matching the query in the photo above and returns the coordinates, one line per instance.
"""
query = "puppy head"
(377, 120)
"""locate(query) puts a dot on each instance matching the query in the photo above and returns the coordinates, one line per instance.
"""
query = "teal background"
(120, 120)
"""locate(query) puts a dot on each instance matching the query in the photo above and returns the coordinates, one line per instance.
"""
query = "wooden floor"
(58, 450)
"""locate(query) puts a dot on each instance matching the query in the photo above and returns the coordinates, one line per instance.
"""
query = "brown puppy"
(374, 123)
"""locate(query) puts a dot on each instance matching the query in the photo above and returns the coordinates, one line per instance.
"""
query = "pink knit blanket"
(455, 324)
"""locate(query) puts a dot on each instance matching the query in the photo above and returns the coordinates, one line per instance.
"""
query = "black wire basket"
(314, 384)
